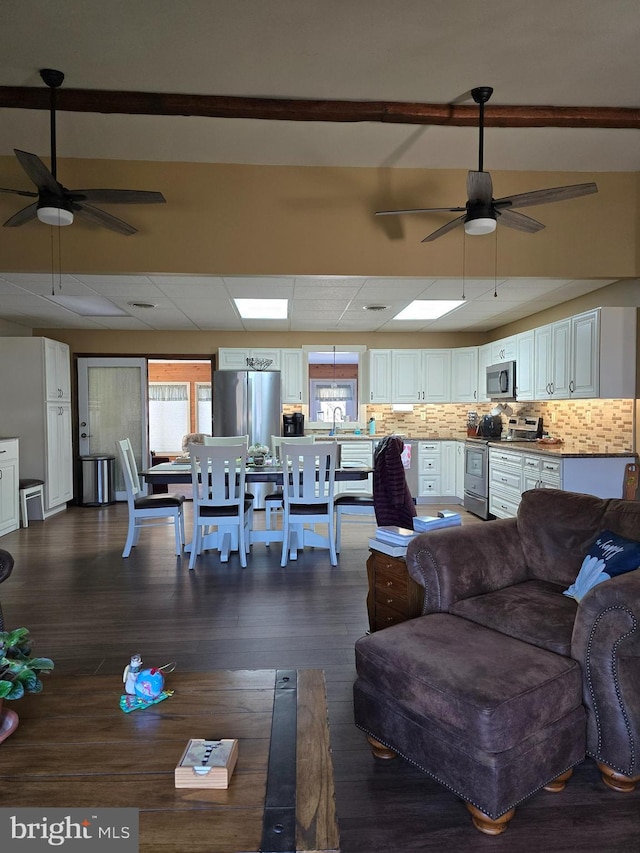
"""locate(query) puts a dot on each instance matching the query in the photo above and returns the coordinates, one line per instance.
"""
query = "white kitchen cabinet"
(525, 372)
(57, 370)
(293, 376)
(9, 486)
(380, 376)
(407, 385)
(31, 371)
(436, 471)
(460, 470)
(504, 350)
(448, 469)
(235, 358)
(464, 375)
(586, 356)
(505, 482)
(421, 376)
(484, 361)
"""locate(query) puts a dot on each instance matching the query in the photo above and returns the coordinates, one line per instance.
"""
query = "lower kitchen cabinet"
(436, 470)
(9, 486)
(393, 594)
(512, 472)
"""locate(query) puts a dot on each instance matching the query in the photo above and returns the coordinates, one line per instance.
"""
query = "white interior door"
(113, 404)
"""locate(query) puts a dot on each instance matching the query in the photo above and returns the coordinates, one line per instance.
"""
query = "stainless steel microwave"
(501, 381)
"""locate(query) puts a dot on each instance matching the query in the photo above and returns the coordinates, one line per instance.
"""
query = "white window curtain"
(203, 409)
(168, 416)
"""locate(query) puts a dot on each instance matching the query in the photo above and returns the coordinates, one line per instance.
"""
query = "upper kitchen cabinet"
(504, 350)
(464, 375)
(586, 356)
(57, 370)
(525, 363)
(421, 376)
(484, 361)
(235, 358)
(35, 378)
(293, 376)
(380, 378)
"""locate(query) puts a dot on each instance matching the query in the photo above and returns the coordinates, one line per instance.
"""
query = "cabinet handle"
(3, 451)
(572, 386)
(389, 583)
(389, 600)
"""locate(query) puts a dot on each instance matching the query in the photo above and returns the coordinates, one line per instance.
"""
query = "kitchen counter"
(567, 450)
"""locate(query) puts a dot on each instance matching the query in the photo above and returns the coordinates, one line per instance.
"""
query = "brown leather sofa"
(505, 683)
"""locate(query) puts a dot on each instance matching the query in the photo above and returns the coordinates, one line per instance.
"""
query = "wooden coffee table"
(75, 748)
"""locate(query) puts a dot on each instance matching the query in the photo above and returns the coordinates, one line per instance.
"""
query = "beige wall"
(236, 219)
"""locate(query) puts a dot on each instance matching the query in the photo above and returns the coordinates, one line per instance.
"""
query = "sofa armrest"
(459, 562)
(606, 642)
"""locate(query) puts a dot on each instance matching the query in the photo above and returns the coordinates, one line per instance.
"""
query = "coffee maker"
(293, 425)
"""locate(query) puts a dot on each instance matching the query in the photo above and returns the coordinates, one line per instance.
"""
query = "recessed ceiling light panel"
(262, 309)
(428, 309)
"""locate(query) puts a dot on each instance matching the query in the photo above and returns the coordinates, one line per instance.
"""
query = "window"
(168, 416)
(203, 407)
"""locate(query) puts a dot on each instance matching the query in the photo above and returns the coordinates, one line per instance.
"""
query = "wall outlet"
(553, 417)
(588, 416)
(423, 416)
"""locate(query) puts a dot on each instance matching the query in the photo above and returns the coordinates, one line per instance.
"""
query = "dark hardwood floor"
(90, 610)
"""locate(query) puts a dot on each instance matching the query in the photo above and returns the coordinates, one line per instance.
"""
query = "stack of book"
(392, 540)
(446, 518)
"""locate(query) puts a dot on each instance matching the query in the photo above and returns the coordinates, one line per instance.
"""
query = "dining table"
(179, 472)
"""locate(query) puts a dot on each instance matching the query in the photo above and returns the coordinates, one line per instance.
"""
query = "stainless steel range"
(476, 477)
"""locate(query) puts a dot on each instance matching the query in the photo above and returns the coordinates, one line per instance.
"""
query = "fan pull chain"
(464, 261)
(495, 266)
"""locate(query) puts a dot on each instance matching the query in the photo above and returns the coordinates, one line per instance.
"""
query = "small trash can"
(97, 480)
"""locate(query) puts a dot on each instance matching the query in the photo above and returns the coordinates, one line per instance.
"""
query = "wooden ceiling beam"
(292, 109)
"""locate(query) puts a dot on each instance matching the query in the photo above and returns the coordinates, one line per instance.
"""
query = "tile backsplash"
(592, 424)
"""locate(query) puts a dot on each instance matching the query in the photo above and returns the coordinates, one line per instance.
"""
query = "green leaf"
(41, 664)
(16, 692)
(5, 688)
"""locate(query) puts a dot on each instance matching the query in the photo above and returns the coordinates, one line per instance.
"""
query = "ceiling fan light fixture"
(482, 225)
(55, 216)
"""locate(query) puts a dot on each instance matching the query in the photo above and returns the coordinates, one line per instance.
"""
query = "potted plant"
(19, 671)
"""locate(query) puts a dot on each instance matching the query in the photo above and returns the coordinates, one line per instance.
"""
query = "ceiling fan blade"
(445, 229)
(479, 187)
(101, 217)
(19, 192)
(421, 210)
(38, 172)
(117, 196)
(22, 216)
(513, 219)
(546, 196)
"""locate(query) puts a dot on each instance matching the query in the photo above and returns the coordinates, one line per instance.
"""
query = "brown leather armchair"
(504, 683)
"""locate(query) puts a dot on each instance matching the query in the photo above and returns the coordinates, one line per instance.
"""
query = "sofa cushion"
(534, 611)
(556, 529)
(495, 689)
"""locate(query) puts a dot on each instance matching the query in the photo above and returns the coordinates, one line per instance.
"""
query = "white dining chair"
(218, 478)
(147, 510)
(273, 502)
(226, 440)
(308, 497)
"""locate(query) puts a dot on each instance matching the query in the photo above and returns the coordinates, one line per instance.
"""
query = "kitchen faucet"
(335, 410)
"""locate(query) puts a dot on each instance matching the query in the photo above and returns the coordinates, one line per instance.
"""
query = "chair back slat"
(276, 442)
(310, 472)
(226, 440)
(129, 468)
(218, 474)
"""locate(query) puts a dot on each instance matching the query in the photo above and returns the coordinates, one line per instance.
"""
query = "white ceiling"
(190, 303)
(576, 52)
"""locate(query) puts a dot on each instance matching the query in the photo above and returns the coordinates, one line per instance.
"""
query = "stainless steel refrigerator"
(248, 402)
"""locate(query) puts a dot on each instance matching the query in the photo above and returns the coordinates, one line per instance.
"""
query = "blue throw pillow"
(609, 556)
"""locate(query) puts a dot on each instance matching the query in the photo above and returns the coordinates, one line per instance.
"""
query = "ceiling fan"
(482, 212)
(57, 205)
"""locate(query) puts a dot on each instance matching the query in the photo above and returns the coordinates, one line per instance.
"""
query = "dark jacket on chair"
(392, 499)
